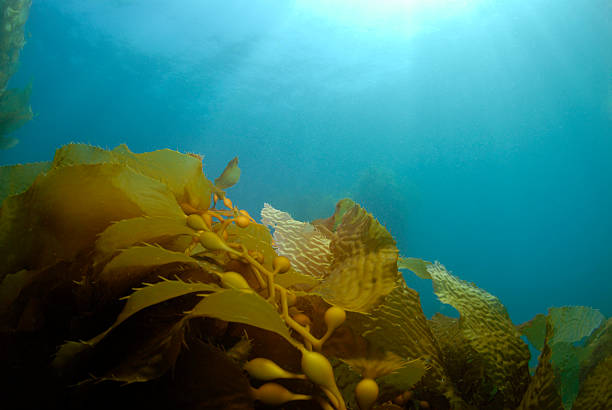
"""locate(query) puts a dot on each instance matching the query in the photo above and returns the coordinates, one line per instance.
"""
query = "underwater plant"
(132, 278)
(15, 109)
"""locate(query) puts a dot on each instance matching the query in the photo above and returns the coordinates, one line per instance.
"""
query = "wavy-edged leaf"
(364, 267)
(487, 328)
(305, 246)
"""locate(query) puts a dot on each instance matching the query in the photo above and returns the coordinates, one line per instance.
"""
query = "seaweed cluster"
(15, 109)
(131, 279)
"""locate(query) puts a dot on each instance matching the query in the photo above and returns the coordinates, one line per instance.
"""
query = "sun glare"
(400, 16)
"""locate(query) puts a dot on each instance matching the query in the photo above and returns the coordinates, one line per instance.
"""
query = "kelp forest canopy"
(133, 279)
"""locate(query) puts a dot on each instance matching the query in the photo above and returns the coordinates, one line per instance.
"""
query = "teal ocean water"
(478, 132)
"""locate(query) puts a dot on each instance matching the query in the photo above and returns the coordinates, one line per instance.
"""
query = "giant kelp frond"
(364, 264)
(357, 261)
(399, 326)
(306, 247)
(415, 265)
(15, 179)
(486, 326)
(542, 391)
(94, 224)
(596, 389)
(132, 266)
(145, 229)
(180, 173)
(242, 307)
(390, 369)
(67, 207)
(15, 108)
(15, 111)
(576, 337)
(230, 175)
(150, 295)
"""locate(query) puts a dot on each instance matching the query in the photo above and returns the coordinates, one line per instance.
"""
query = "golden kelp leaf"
(542, 391)
(486, 325)
(66, 208)
(364, 267)
(160, 292)
(14, 179)
(407, 375)
(127, 268)
(242, 307)
(462, 363)
(305, 246)
(390, 369)
(296, 279)
(256, 237)
(152, 196)
(416, 265)
(596, 390)
(143, 229)
(182, 173)
(230, 175)
(399, 325)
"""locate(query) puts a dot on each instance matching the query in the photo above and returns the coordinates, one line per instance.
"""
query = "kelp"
(132, 231)
(68, 206)
(15, 109)
(15, 179)
(304, 244)
(579, 339)
(181, 174)
(357, 261)
(242, 307)
(399, 326)
(485, 325)
(121, 269)
(230, 175)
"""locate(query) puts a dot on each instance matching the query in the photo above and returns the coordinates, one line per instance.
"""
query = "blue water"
(478, 132)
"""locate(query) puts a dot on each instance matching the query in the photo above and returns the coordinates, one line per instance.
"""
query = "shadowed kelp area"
(133, 280)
